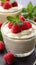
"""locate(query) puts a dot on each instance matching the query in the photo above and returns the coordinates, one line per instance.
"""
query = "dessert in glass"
(9, 8)
(19, 36)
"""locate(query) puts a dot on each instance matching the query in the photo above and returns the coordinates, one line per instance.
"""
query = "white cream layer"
(24, 34)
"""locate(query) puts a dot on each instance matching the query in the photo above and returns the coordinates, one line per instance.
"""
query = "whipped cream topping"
(22, 35)
(34, 26)
(13, 9)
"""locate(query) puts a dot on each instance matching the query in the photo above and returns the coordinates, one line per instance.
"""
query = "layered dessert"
(19, 36)
(9, 7)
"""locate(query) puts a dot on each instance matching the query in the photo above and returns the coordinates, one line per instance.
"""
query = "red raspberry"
(10, 25)
(2, 3)
(20, 27)
(9, 57)
(35, 19)
(15, 4)
(26, 25)
(1, 24)
(15, 29)
(1, 45)
(22, 18)
(7, 5)
(7, 0)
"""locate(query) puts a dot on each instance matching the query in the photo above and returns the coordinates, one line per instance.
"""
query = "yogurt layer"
(22, 35)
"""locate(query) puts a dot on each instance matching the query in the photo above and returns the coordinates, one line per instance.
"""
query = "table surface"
(20, 61)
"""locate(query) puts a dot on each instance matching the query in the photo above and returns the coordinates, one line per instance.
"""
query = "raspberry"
(7, 0)
(1, 45)
(26, 25)
(22, 18)
(7, 5)
(10, 25)
(9, 57)
(1, 24)
(35, 19)
(15, 4)
(15, 29)
(2, 3)
(20, 27)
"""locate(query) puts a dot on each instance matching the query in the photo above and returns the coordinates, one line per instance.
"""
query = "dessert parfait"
(9, 7)
(19, 36)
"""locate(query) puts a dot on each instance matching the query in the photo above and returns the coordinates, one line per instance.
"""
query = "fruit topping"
(22, 18)
(2, 45)
(1, 24)
(26, 25)
(14, 4)
(9, 58)
(15, 29)
(18, 24)
(10, 25)
(7, 5)
(2, 3)
(7, 0)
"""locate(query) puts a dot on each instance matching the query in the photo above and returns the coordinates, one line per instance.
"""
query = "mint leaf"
(3, 0)
(20, 23)
(31, 10)
(16, 18)
(13, 19)
(34, 11)
(24, 10)
(10, 18)
(30, 7)
(30, 16)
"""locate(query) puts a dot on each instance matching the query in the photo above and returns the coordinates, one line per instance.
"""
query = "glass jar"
(19, 47)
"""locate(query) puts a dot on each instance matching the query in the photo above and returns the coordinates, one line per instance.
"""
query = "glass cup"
(11, 12)
(19, 47)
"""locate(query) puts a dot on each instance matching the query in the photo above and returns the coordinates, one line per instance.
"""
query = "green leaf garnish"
(34, 11)
(29, 7)
(31, 10)
(20, 22)
(24, 10)
(3, 0)
(13, 19)
(10, 18)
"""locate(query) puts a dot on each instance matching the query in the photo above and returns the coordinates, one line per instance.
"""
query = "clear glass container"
(19, 47)
(9, 12)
